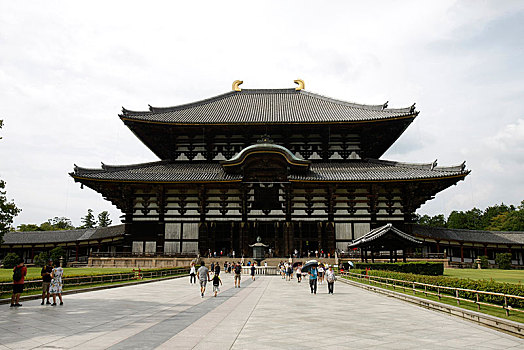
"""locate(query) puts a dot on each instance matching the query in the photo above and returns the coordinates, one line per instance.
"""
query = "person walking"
(299, 273)
(313, 273)
(192, 274)
(203, 277)
(238, 272)
(321, 273)
(46, 281)
(19, 273)
(217, 281)
(217, 269)
(330, 279)
(56, 283)
(253, 271)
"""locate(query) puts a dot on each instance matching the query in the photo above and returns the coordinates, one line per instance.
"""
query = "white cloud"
(66, 68)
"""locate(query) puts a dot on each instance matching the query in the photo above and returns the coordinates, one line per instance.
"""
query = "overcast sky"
(66, 68)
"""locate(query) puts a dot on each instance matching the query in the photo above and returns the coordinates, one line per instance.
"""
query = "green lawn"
(509, 276)
(6, 275)
(490, 310)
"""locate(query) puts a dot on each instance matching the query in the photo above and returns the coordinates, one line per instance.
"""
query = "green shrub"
(41, 259)
(10, 260)
(484, 285)
(419, 268)
(503, 260)
(55, 255)
(484, 263)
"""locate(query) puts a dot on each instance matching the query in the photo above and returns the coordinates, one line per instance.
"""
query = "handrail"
(393, 282)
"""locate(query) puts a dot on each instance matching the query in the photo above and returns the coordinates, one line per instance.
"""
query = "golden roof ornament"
(301, 84)
(236, 85)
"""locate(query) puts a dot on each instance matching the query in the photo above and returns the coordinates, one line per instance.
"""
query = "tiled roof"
(356, 170)
(472, 236)
(267, 106)
(375, 234)
(79, 235)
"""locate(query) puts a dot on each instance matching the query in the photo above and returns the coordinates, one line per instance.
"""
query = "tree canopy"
(8, 209)
(498, 217)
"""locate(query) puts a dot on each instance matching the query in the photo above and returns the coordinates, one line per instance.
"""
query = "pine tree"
(103, 219)
(89, 220)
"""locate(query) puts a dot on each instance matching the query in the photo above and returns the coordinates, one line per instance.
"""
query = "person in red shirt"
(19, 273)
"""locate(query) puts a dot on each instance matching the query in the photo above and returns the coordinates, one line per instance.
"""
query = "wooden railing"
(458, 294)
(6, 287)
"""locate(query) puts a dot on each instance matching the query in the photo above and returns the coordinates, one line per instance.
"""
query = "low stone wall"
(143, 262)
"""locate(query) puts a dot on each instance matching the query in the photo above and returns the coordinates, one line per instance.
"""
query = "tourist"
(216, 282)
(299, 273)
(213, 267)
(289, 272)
(46, 281)
(203, 277)
(313, 273)
(265, 263)
(225, 267)
(192, 274)
(217, 269)
(330, 279)
(238, 272)
(321, 273)
(56, 283)
(19, 273)
(253, 271)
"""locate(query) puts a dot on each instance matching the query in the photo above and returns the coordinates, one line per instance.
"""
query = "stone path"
(269, 313)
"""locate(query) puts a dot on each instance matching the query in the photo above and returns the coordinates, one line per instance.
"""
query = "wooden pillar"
(372, 255)
(486, 250)
(32, 254)
(76, 252)
(390, 256)
(203, 244)
(396, 257)
(438, 246)
(366, 254)
(461, 253)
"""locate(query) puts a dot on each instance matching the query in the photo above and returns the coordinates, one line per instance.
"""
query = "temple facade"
(301, 170)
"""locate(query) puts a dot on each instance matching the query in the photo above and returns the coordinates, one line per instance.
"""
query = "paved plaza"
(269, 313)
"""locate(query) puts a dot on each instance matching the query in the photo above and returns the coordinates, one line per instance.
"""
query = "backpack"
(17, 274)
(238, 269)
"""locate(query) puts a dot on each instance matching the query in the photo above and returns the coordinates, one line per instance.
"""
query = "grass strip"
(85, 286)
(485, 309)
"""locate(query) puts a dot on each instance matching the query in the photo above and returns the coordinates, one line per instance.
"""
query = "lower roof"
(362, 170)
(469, 236)
(63, 236)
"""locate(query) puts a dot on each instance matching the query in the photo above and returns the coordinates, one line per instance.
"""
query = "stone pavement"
(269, 313)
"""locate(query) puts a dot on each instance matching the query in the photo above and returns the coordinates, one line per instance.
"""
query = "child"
(216, 282)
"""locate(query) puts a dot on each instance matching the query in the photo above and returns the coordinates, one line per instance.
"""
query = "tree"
(470, 219)
(8, 209)
(512, 220)
(56, 224)
(103, 219)
(28, 227)
(434, 221)
(89, 220)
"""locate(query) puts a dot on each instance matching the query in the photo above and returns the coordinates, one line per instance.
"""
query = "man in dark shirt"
(18, 284)
(46, 281)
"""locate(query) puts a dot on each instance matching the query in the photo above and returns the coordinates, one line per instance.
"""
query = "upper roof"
(63, 236)
(471, 236)
(260, 106)
(201, 171)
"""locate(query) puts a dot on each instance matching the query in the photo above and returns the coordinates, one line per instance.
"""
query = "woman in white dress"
(56, 284)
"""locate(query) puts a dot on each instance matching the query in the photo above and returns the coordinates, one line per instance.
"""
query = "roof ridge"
(110, 167)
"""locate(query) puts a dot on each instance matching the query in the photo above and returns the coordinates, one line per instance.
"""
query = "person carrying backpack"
(19, 273)
(217, 281)
(238, 272)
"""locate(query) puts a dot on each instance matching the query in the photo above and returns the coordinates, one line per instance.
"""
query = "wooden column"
(161, 205)
(76, 252)
(438, 246)
(461, 253)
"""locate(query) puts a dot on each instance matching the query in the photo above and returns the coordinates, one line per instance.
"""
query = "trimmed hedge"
(483, 285)
(419, 268)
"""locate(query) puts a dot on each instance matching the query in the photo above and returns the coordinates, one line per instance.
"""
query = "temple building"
(301, 170)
